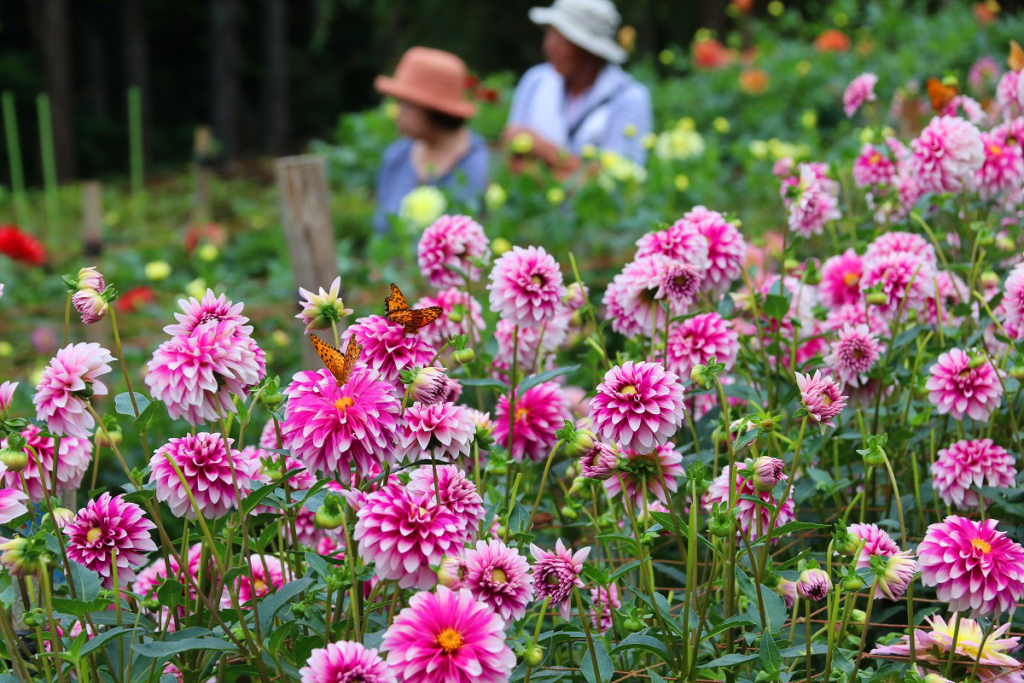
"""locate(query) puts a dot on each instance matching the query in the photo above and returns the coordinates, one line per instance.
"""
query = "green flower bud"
(853, 583)
(14, 460)
(534, 656)
(633, 625)
(583, 440)
(877, 299)
(463, 356)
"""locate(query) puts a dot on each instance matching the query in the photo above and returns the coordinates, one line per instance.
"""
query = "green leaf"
(790, 528)
(102, 639)
(271, 604)
(151, 415)
(629, 566)
(771, 660)
(123, 403)
(731, 622)
(776, 306)
(542, 377)
(167, 648)
(486, 382)
(258, 494)
(744, 439)
(169, 593)
(87, 583)
(604, 664)
(636, 641)
(730, 660)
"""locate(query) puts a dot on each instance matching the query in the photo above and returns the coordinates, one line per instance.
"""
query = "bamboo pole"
(49, 158)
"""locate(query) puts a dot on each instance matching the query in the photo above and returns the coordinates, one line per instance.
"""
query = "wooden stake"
(202, 146)
(92, 218)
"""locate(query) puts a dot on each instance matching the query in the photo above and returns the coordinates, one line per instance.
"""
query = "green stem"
(544, 478)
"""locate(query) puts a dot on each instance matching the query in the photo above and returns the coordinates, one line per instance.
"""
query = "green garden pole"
(14, 157)
(49, 161)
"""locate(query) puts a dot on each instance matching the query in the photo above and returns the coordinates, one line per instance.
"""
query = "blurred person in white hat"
(581, 96)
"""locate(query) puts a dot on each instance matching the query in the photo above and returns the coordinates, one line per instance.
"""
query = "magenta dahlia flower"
(1003, 170)
(947, 154)
(387, 349)
(532, 345)
(458, 309)
(452, 241)
(876, 542)
(404, 533)
(109, 530)
(605, 601)
(600, 462)
(265, 575)
(642, 468)
(696, 340)
(972, 566)
(860, 90)
(956, 388)
(457, 493)
(346, 662)
(679, 285)
(448, 637)
(638, 405)
(747, 511)
(897, 241)
(905, 279)
(209, 310)
(968, 464)
(211, 470)
(900, 567)
(854, 352)
(539, 412)
(555, 574)
(499, 577)
(72, 463)
(199, 375)
(66, 385)
(1013, 299)
(872, 168)
(336, 429)
(821, 397)
(634, 297)
(840, 280)
(441, 430)
(322, 310)
(811, 201)
(526, 286)
(12, 505)
(680, 242)
(726, 247)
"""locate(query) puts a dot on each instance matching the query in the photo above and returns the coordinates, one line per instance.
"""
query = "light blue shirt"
(615, 114)
(396, 178)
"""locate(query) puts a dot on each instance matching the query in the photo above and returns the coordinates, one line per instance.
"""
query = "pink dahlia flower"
(872, 168)
(747, 511)
(680, 242)
(539, 412)
(600, 462)
(972, 566)
(6, 397)
(448, 637)
(898, 573)
(458, 309)
(211, 470)
(811, 201)
(265, 575)
(787, 589)
(855, 314)
(499, 577)
(67, 383)
(854, 352)
(526, 286)
(555, 574)
(206, 311)
(72, 464)
(12, 505)
(336, 429)
(726, 247)
(322, 310)
(900, 567)
(956, 388)
(642, 468)
(532, 345)
(346, 662)
(950, 290)
(638, 405)
(947, 154)
(441, 430)
(150, 578)
(1003, 170)
(876, 542)
(198, 376)
(905, 280)
(814, 584)
(404, 533)
(680, 285)
(605, 601)
(968, 464)
(634, 297)
(696, 340)
(457, 493)
(452, 241)
(821, 397)
(387, 349)
(894, 241)
(109, 529)
(840, 280)
(767, 472)
(90, 305)
(1013, 299)
(860, 90)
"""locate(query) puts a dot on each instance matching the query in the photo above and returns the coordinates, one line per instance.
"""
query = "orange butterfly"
(339, 365)
(396, 309)
(1016, 58)
(940, 93)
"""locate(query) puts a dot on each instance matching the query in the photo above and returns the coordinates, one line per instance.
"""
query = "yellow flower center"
(995, 150)
(851, 279)
(537, 280)
(498, 576)
(521, 413)
(874, 159)
(344, 403)
(983, 546)
(826, 399)
(94, 534)
(260, 586)
(449, 640)
(628, 390)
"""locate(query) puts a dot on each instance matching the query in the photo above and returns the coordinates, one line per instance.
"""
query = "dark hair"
(444, 121)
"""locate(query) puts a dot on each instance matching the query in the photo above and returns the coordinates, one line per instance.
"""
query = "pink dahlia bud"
(821, 397)
(60, 517)
(90, 304)
(814, 584)
(600, 462)
(430, 385)
(6, 397)
(767, 473)
(90, 278)
(575, 296)
(451, 572)
(581, 443)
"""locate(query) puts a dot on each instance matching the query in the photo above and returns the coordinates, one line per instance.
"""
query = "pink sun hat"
(434, 79)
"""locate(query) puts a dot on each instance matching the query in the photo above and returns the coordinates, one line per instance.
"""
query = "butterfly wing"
(939, 93)
(1016, 58)
(415, 319)
(352, 352)
(333, 358)
(395, 302)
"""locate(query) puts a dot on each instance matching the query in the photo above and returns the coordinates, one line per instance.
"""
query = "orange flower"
(708, 53)
(743, 6)
(986, 12)
(832, 40)
(754, 81)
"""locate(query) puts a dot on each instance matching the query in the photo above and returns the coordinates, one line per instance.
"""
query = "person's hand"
(519, 139)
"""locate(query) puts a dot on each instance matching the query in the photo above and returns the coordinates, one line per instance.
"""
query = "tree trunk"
(136, 62)
(225, 55)
(58, 77)
(96, 81)
(275, 85)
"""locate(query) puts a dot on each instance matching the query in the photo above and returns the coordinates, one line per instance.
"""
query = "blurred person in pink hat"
(581, 96)
(437, 146)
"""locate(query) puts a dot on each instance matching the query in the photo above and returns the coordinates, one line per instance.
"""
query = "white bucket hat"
(589, 24)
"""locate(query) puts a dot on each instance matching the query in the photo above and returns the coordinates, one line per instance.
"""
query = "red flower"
(708, 53)
(208, 232)
(832, 40)
(134, 299)
(21, 247)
